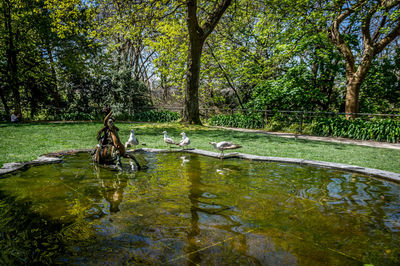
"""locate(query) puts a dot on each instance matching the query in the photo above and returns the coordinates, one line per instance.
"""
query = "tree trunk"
(12, 65)
(54, 82)
(4, 101)
(352, 94)
(191, 113)
(197, 36)
(354, 81)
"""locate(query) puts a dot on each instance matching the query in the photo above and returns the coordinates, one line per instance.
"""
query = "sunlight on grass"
(23, 142)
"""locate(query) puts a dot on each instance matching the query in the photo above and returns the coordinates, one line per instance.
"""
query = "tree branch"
(225, 76)
(337, 39)
(213, 19)
(366, 24)
(389, 38)
(193, 23)
(377, 31)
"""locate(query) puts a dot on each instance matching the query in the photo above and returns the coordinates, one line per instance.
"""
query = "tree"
(11, 36)
(378, 23)
(380, 91)
(197, 36)
(232, 57)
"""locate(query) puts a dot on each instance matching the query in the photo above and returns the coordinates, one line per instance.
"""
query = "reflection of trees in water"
(26, 237)
(194, 176)
(228, 232)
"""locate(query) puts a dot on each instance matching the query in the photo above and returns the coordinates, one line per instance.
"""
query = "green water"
(189, 209)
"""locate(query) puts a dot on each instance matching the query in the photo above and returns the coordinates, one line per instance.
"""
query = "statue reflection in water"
(112, 187)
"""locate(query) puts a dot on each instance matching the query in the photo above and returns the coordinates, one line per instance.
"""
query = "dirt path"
(368, 143)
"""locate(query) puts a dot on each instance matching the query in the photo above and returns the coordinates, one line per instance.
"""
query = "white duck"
(225, 145)
(185, 140)
(132, 141)
(167, 139)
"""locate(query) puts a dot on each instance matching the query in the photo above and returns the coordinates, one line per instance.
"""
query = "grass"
(26, 141)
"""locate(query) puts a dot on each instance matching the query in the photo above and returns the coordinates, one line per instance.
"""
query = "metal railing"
(299, 117)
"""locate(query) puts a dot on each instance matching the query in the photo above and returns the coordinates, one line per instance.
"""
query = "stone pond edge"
(55, 157)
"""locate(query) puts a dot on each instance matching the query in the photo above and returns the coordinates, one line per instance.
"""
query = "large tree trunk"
(354, 81)
(12, 65)
(191, 113)
(197, 36)
(352, 96)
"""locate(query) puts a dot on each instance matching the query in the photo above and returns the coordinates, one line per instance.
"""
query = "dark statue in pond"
(110, 149)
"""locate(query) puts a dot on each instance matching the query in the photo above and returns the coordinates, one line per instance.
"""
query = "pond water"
(189, 209)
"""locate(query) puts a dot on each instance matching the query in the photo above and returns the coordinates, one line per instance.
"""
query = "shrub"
(4, 117)
(156, 116)
(381, 130)
(253, 120)
(76, 116)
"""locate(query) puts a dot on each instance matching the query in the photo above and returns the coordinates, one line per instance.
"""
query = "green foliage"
(380, 91)
(156, 116)
(73, 116)
(4, 117)
(380, 129)
(76, 56)
(298, 89)
(252, 120)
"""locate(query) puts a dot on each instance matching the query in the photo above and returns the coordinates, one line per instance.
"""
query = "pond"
(192, 209)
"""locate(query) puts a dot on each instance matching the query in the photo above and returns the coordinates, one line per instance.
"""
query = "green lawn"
(24, 142)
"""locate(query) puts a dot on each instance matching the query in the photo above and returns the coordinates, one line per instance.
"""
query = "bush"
(4, 117)
(381, 130)
(156, 116)
(238, 120)
(76, 116)
(387, 130)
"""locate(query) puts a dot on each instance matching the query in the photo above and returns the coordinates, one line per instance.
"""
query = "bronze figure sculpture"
(109, 150)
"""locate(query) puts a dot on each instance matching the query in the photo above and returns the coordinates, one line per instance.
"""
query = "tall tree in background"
(198, 34)
(11, 37)
(378, 23)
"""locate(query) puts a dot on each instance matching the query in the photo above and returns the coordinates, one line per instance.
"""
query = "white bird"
(225, 145)
(185, 140)
(167, 139)
(132, 141)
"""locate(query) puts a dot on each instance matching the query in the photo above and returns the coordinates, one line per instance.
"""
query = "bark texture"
(197, 36)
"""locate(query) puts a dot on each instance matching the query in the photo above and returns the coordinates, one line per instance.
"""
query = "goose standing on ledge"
(185, 140)
(132, 141)
(168, 140)
(225, 145)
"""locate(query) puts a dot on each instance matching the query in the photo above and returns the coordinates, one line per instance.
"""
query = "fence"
(301, 118)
